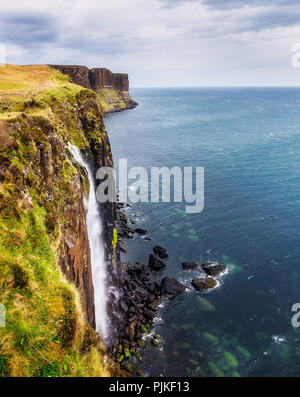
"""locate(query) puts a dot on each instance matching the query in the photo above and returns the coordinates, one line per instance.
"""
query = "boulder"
(201, 284)
(124, 306)
(213, 269)
(189, 265)
(160, 251)
(141, 291)
(172, 287)
(140, 231)
(156, 263)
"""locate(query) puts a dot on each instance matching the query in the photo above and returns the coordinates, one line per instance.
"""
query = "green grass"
(110, 99)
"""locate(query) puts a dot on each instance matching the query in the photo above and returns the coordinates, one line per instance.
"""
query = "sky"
(159, 43)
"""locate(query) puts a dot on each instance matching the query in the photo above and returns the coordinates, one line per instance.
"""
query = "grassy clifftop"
(47, 332)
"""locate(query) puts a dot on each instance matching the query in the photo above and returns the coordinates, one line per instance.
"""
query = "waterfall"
(95, 235)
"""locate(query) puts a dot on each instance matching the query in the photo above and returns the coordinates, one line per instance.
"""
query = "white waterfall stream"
(95, 235)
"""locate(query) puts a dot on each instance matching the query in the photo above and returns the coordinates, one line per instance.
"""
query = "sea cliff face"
(46, 279)
(111, 88)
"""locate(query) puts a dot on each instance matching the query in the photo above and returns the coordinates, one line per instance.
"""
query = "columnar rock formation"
(112, 88)
(104, 78)
(78, 74)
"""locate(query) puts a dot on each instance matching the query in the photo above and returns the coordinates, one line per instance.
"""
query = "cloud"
(27, 29)
(158, 42)
(221, 4)
(229, 4)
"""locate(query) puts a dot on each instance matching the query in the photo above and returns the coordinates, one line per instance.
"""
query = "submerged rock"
(211, 338)
(189, 265)
(172, 287)
(215, 370)
(213, 269)
(230, 359)
(156, 263)
(160, 251)
(201, 284)
(205, 305)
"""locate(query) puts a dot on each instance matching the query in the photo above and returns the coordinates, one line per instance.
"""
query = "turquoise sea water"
(248, 141)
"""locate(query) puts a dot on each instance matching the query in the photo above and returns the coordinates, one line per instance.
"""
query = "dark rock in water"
(140, 231)
(189, 265)
(201, 284)
(160, 251)
(156, 263)
(146, 238)
(172, 287)
(213, 269)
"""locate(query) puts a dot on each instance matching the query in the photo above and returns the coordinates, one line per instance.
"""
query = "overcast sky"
(159, 42)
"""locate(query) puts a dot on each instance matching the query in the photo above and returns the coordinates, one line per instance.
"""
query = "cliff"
(111, 88)
(45, 279)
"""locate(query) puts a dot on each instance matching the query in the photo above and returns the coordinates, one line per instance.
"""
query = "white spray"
(95, 234)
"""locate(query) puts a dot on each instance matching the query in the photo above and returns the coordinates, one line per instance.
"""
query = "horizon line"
(219, 86)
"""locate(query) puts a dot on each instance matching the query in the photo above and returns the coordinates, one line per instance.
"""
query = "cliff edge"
(46, 282)
(111, 88)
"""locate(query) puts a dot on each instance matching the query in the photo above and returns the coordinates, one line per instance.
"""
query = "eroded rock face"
(113, 88)
(121, 81)
(60, 188)
(101, 77)
(74, 251)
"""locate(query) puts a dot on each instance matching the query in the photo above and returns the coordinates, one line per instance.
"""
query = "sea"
(248, 142)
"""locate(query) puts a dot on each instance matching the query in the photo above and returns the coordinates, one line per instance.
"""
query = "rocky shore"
(141, 292)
